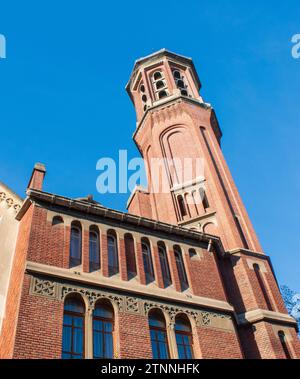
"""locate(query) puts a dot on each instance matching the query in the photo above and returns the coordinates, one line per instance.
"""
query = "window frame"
(115, 268)
(103, 333)
(189, 335)
(94, 265)
(156, 330)
(73, 260)
(80, 316)
(149, 261)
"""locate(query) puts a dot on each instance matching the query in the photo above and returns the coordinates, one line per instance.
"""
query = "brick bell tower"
(175, 124)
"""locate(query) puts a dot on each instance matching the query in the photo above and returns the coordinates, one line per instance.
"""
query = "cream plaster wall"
(9, 206)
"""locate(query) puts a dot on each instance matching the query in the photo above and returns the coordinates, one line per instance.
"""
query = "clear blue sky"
(63, 102)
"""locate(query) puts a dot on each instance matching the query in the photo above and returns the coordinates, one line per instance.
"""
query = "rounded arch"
(210, 228)
(76, 224)
(57, 221)
(193, 253)
(158, 313)
(162, 94)
(175, 146)
(106, 303)
(157, 75)
(74, 294)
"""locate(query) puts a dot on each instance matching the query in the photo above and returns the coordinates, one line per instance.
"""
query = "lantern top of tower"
(152, 58)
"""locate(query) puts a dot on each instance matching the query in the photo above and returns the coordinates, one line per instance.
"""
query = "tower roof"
(159, 54)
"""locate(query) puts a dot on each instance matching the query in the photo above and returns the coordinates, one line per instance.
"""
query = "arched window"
(103, 327)
(57, 220)
(73, 328)
(284, 345)
(147, 260)
(184, 338)
(157, 75)
(158, 334)
(159, 85)
(262, 286)
(182, 206)
(162, 94)
(180, 82)
(176, 74)
(130, 254)
(113, 260)
(143, 96)
(164, 264)
(94, 249)
(180, 268)
(75, 244)
(204, 199)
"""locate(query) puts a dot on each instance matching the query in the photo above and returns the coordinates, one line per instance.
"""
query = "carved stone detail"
(42, 287)
(130, 304)
(93, 296)
(10, 202)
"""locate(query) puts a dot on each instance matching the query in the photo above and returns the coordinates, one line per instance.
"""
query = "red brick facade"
(231, 299)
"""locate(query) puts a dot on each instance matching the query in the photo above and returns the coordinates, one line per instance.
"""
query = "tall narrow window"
(103, 326)
(147, 260)
(94, 249)
(184, 339)
(113, 261)
(73, 329)
(284, 345)
(204, 199)
(182, 206)
(158, 334)
(164, 264)
(180, 268)
(130, 254)
(262, 286)
(75, 245)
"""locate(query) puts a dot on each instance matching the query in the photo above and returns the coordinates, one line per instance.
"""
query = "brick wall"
(39, 330)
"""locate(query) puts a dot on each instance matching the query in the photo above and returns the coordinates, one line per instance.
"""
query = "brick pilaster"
(122, 260)
(157, 269)
(140, 264)
(104, 256)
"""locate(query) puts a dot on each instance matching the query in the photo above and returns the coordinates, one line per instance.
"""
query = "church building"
(180, 275)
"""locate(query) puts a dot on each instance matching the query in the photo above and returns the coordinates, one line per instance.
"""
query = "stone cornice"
(133, 287)
(239, 251)
(257, 315)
